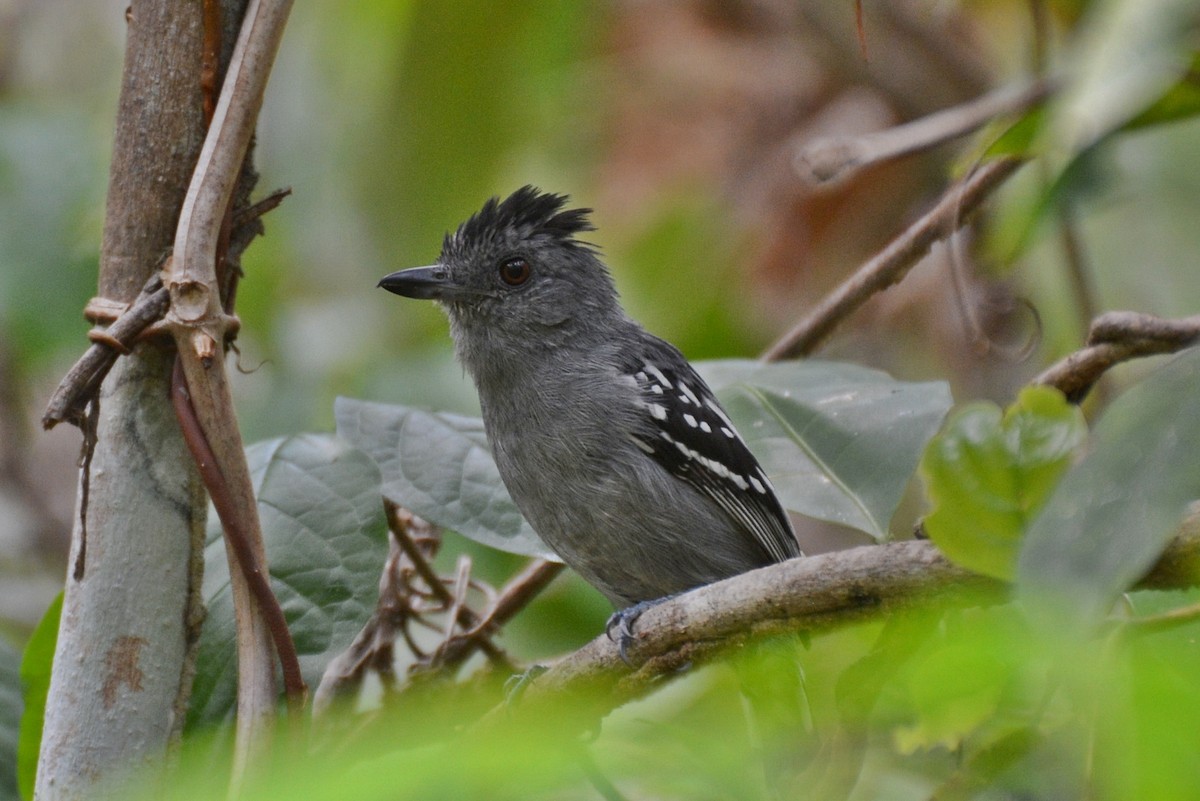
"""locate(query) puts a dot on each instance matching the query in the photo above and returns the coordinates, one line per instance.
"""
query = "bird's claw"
(621, 623)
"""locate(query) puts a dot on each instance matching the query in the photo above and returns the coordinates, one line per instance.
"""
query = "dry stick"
(511, 599)
(834, 158)
(81, 382)
(892, 263)
(199, 325)
(462, 614)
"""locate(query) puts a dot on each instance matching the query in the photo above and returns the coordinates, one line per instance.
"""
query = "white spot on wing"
(691, 421)
(686, 390)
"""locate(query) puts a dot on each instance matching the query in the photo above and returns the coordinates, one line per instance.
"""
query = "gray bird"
(613, 448)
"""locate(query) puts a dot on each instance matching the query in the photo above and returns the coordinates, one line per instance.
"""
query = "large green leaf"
(988, 474)
(1113, 513)
(839, 441)
(438, 465)
(36, 664)
(326, 540)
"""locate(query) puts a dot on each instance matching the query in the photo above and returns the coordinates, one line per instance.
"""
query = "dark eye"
(514, 271)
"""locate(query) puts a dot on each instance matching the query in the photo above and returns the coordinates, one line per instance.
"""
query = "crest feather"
(529, 212)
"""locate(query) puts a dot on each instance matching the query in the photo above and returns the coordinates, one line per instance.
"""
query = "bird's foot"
(620, 626)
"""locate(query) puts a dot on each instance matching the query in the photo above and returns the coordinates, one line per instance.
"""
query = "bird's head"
(515, 269)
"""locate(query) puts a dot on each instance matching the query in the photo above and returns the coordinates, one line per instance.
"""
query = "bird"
(612, 446)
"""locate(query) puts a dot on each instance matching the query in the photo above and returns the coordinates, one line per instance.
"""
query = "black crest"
(529, 212)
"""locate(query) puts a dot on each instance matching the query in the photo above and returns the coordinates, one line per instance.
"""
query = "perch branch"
(892, 263)
(816, 593)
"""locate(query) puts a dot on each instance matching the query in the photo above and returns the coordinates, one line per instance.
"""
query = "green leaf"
(438, 465)
(36, 665)
(1113, 513)
(326, 540)
(989, 474)
(838, 441)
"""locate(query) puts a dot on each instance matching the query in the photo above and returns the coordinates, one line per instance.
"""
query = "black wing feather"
(690, 435)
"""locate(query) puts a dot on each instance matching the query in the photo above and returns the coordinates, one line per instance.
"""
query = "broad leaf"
(326, 540)
(839, 441)
(438, 466)
(1113, 513)
(988, 475)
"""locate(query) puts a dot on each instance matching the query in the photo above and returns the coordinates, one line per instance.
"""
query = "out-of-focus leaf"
(438, 465)
(838, 441)
(325, 534)
(954, 690)
(1127, 55)
(989, 474)
(1132, 64)
(1113, 512)
(1179, 102)
(35, 679)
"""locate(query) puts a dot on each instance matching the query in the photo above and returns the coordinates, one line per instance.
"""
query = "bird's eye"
(514, 271)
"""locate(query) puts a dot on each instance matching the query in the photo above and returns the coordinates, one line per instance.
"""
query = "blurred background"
(677, 121)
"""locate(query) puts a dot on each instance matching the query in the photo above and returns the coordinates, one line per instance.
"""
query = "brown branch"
(813, 594)
(828, 159)
(892, 263)
(1116, 337)
(514, 597)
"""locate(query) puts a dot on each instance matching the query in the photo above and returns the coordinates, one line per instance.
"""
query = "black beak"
(424, 283)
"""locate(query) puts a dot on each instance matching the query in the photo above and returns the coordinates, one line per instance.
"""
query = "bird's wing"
(689, 434)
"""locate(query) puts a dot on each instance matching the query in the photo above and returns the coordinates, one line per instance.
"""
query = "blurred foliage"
(393, 119)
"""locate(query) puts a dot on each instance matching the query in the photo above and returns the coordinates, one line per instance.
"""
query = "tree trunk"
(131, 611)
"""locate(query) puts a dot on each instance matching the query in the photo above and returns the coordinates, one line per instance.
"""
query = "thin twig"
(892, 263)
(836, 158)
(1166, 621)
(461, 614)
(1116, 337)
(514, 597)
(236, 537)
